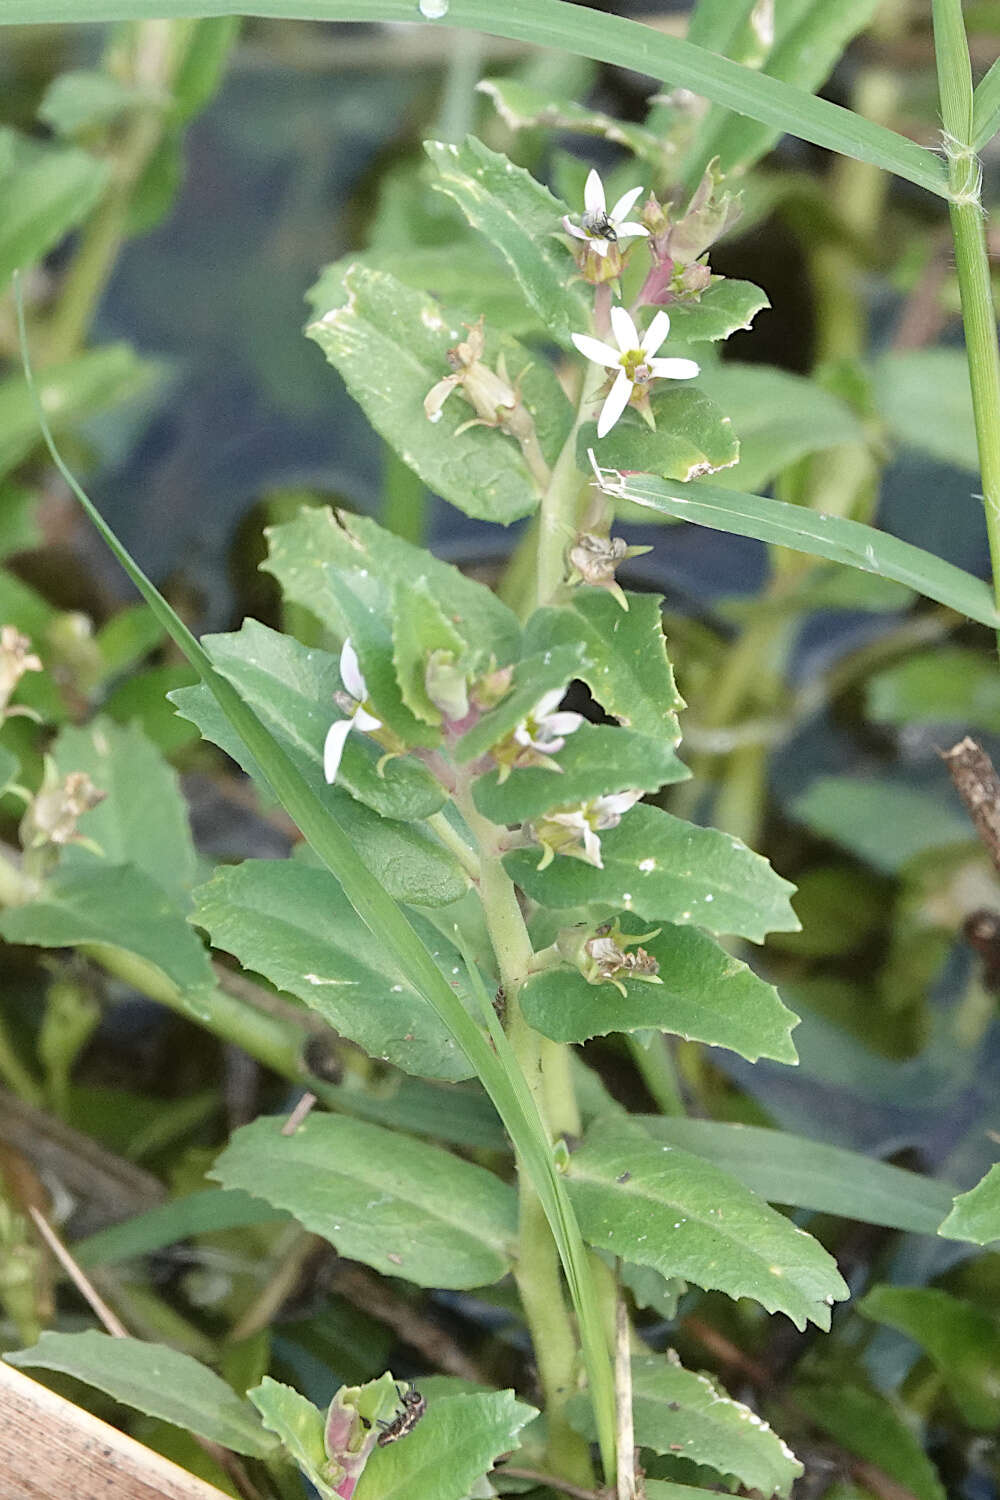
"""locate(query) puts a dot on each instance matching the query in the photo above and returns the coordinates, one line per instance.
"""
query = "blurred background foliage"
(176, 205)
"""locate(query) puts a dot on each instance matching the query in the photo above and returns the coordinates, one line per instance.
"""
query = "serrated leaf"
(881, 821)
(295, 926)
(390, 345)
(867, 1424)
(659, 1206)
(724, 308)
(533, 678)
(405, 1208)
(950, 685)
(627, 669)
(143, 820)
(299, 1426)
(596, 759)
(419, 627)
(47, 191)
(408, 861)
(456, 1442)
(803, 1173)
(706, 995)
(156, 1380)
(112, 907)
(975, 1215)
(814, 533)
(692, 437)
(962, 1340)
(926, 401)
(666, 870)
(291, 688)
(521, 219)
(307, 554)
(777, 416)
(676, 1411)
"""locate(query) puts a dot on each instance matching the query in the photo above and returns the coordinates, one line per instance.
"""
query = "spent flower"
(593, 560)
(16, 658)
(352, 701)
(604, 956)
(636, 365)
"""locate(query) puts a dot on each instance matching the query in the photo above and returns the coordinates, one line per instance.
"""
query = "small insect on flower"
(598, 227)
(414, 1406)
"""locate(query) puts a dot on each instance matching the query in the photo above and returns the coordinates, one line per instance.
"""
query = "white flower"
(575, 830)
(544, 730)
(599, 228)
(352, 701)
(633, 359)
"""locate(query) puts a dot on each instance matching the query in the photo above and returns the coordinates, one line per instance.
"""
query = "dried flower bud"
(447, 685)
(593, 560)
(16, 658)
(604, 956)
(56, 808)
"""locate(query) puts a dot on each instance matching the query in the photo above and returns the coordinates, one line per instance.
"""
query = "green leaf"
(883, 822)
(676, 1411)
(47, 191)
(666, 870)
(663, 1489)
(520, 218)
(203, 1212)
(87, 99)
(778, 417)
(142, 699)
(9, 768)
(926, 401)
(986, 101)
(626, 665)
(692, 437)
(299, 1425)
(533, 678)
(595, 760)
(456, 1442)
(814, 533)
(869, 1425)
(522, 107)
(419, 627)
(405, 1208)
(308, 554)
(291, 688)
(19, 528)
(294, 925)
(950, 685)
(975, 1215)
(706, 996)
(405, 858)
(962, 1340)
(156, 1380)
(68, 392)
(661, 1207)
(390, 345)
(203, 46)
(113, 907)
(726, 307)
(143, 820)
(803, 1173)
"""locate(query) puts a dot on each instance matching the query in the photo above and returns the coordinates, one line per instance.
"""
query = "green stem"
(655, 1065)
(971, 256)
(558, 517)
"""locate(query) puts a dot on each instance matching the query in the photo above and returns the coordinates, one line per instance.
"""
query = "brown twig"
(299, 1113)
(553, 1482)
(978, 785)
(625, 1433)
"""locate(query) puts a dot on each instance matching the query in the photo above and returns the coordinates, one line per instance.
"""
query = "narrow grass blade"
(986, 108)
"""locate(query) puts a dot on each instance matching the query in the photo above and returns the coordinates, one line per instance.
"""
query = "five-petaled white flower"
(634, 361)
(599, 228)
(545, 730)
(352, 702)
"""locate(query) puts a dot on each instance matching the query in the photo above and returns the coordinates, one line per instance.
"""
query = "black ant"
(414, 1406)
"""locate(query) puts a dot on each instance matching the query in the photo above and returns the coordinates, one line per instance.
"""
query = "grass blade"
(570, 28)
(986, 108)
(802, 530)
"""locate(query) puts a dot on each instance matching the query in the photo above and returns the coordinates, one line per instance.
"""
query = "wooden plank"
(53, 1450)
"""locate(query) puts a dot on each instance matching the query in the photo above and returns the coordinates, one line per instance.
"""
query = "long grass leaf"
(986, 108)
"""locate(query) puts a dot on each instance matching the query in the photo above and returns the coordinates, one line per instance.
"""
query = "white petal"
(624, 329)
(365, 721)
(592, 848)
(630, 230)
(624, 205)
(615, 404)
(674, 369)
(600, 247)
(546, 704)
(655, 333)
(350, 672)
(593, 193)
(601, 354)
(563, 723)
(547, 744)
(574, 230)
(614, 808)
(333, 747)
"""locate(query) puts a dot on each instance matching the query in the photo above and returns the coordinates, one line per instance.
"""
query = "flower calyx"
(539, 736)
(610, 956)
(635, 365)
(16, 658)
(593, 560)
(575, 830)
(679, 246)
